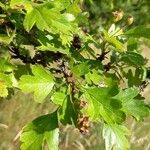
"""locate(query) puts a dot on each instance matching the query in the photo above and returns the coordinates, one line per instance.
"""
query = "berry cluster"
(83, 124)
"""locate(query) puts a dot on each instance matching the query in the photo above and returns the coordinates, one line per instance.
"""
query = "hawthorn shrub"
(51, 49)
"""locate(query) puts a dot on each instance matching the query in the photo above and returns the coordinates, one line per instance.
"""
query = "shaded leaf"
(132, 44)
(51, 43)
(134, 78)
(2, 5)
(133, 58)
(139, 31)
(67, 113)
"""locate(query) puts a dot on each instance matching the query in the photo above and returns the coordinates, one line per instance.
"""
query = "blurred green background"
(20, 109)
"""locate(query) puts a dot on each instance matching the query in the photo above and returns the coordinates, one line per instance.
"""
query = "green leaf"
(21, 4)
(58, 98)
(30, 20)
(139, 31)
(115, 137)
(51, 43)
(41, 83)
(5, 83)
(127, 94)
(5, 66)
(16, 2)
(5, 39)
(132, 44)
(74, 8)
(100, 104)
(133, 58)
(48, 17)
(3, 89)
(67, 113)
(44, 128)
(62, 4)
(137, 108)
(6, 78)
(114, 42)
(131, 105)
(81, 69)
(52, 139)
(135, 77)
(94, 76)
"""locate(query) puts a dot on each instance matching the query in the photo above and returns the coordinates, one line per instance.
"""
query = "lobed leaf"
(114, 42)
(5, 39)
(139, 31)
(133, 58)
(48, 17)
(5, 66)
(58, 98)
(81, 69)
(3, 89)
(115, 137)
(131, 105)
(51, 43)
(5, 83)
(67, 113)
(40, 130)
(100, 104)
(41, 83)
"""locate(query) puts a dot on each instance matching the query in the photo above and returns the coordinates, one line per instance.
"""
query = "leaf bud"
(118, 15)
(130, 20)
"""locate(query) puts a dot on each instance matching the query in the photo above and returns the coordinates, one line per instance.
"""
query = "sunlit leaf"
(5, 83)
(58, 98)
(44, 128)
(114, 42)
(47, 17)
(115, 137)
(131, 104)
(5, 66)
(41, 83)
(5, 39)
(100, 105)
